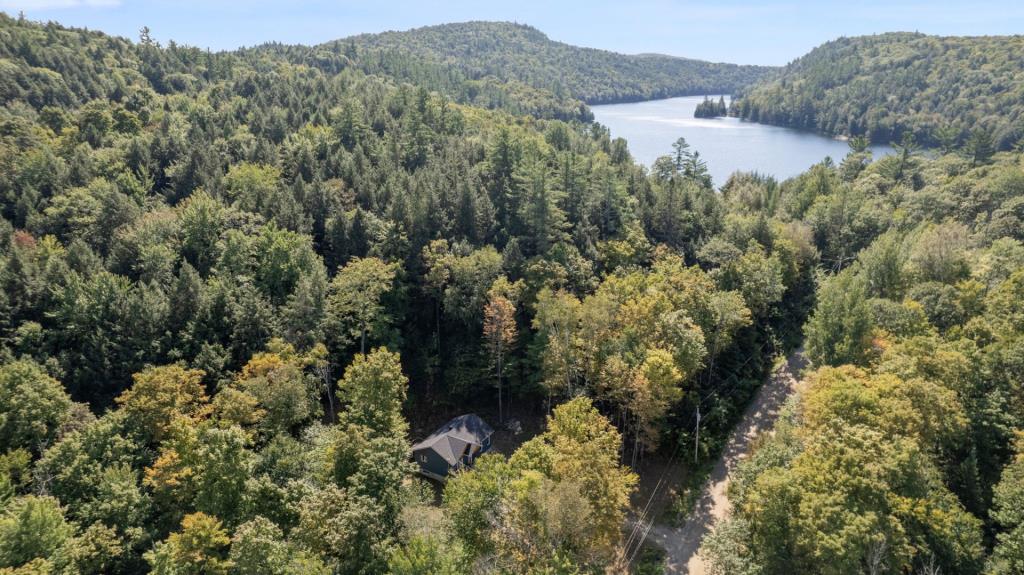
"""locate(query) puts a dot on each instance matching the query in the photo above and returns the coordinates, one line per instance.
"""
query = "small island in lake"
(711, 109)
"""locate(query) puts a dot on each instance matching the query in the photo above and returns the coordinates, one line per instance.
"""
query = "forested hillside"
(229, 280)
(232, 284)
(519, 53)
(940, 89)
(513, 95)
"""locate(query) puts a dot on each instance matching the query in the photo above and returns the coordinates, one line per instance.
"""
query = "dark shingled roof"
(452, 438)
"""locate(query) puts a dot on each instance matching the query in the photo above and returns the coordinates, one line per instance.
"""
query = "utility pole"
(696, 438)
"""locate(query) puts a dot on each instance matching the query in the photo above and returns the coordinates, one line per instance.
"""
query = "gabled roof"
(451, 439)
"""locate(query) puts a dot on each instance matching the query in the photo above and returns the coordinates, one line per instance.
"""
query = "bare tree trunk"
(930, 568)
(636, 441)
(324, 372)
(501, 414)
(875, 558)
(568, 366)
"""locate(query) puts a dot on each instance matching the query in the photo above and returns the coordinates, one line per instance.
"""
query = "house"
(454, 446)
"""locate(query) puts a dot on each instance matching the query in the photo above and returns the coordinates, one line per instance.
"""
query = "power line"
(640, 525)
(644, 514)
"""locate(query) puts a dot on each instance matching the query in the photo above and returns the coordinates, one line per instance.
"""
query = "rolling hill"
(520, 53)
(938, 88)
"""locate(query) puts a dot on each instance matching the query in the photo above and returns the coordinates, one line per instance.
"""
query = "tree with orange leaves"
(500, 333)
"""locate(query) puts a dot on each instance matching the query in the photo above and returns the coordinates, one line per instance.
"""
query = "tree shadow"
(682, 544)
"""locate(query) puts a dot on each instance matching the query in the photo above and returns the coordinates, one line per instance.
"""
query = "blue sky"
(742, 31)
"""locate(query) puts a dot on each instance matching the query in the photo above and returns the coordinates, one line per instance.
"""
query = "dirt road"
(683, 543)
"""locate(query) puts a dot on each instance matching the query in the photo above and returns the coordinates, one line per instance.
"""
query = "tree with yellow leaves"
(500, 333)
(581, 446)
(560, 499)
(280, 387)
(199, 548)
(556, 321)
(161, 396)
(850, 483)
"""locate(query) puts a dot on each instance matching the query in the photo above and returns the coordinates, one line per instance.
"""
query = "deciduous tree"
(500, 333)
(355, 304)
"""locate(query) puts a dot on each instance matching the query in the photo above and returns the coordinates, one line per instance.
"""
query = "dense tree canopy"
(946, 91)
(234, 285)
(897, 455)
(516, 53)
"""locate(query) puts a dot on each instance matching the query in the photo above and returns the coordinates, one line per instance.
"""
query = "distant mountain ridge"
(937, 88)
(513, 52)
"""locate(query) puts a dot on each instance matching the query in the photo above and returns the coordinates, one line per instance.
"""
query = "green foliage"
(342, 527)
(840, 329)
(426, 555)
(89, 471)
(354, 305)
(97, 549)
(1008, 555)
(109, 326)
(882, 86)
(756, 277)
(882, 264)
(203, 469)
(854, 484)
(578, 450)
(281, 384)
(161, 397)
(637, 340)
(33, 407)
(513, 53)
(374, 389)
(372, 466)
(711, 109)
(197, 244)
(470, 498)
(727, 550)
(939, 254)
(259, 548)
(252, 187)
(466, 281)
(845, 220)
(560, 498)
(31, 527)
(904, 453)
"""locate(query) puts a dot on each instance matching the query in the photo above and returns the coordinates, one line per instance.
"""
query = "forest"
(522, 54)
(902, 451)
(941, 90)
(236, 286)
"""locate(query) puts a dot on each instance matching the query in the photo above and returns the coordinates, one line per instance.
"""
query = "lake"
(726, 144)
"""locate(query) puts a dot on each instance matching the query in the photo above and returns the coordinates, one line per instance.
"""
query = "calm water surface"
(726, 144)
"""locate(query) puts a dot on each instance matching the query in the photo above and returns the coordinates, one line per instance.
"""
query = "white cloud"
(29, 5)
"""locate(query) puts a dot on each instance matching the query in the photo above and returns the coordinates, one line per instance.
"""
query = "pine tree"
(979, 147)
(542, 217)
(681, 153)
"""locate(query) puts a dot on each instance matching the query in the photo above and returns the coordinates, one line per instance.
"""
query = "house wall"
(435, 465)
